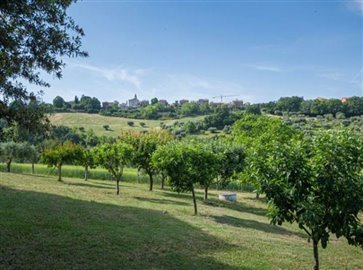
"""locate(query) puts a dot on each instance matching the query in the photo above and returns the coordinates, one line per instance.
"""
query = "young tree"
(317, 184)
(87, 160)
(186, 165)
(144, 145)
(35, 35)
(114, 157)
(58, 155)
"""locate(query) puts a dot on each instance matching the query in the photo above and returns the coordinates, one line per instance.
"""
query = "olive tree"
(114, 157)
(316, 183)
(186, 164)
(10, 151)
(58, 155)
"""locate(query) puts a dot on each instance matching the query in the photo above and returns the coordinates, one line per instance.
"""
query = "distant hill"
(116, 124)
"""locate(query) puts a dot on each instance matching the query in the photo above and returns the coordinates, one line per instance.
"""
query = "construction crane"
(223, 96)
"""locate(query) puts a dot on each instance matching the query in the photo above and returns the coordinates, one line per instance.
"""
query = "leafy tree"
(186, 165)
(289, 104)
(12, 150)
(35, 35)
(87, 160)
(154, 101)
(231, 160)
(317, 184)
(258, 134)
(60, 154)
(114, 157)
(253, 109)
(144, 145)
(189, 108)
(58, 102)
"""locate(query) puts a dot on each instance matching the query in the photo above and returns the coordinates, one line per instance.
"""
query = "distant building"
(238, 104)
(182, 101)
(144, 103)
(123, 106)
(134, 102)
(163, 102)
(202, 101)
(106, 105)
(344, 99)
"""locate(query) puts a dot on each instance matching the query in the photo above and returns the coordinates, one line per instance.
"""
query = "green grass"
(130, 174)
(96, 122)
(45, 224)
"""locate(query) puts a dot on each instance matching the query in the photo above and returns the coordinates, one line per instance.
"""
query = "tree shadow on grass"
(88, 185)
(237, 206)
(161, 201)
(47, 231)
(253, 224)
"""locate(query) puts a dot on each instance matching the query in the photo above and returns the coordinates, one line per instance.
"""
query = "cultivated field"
(45, 224)
(96, 122)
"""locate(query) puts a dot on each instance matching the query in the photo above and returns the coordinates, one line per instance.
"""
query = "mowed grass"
(96, 122)
(45, 224)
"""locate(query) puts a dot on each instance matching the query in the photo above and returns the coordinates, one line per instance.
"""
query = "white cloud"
(116, 74)
(356, 6)
(271, 68)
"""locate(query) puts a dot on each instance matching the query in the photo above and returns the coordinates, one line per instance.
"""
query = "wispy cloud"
(132, 77)
(263, 67)
(355, 6)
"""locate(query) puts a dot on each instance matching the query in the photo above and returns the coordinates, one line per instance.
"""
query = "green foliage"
(186, 164)
(316, 183)
(114, 157)
(144, 145)
(10, 151)
(35, 35)
(66, 153)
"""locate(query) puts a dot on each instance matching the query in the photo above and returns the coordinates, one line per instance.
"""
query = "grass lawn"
(45, 224)
(96, 122)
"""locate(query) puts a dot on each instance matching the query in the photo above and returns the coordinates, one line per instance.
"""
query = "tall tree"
(34, 35)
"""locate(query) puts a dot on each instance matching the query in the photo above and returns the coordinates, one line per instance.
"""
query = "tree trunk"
(316, 255)
(162, 181)
(257, 195)
(151, 181)
(86, 173)
(194, 202)
(8, 164)
(60, 173)
(33, 169)
(117, 185)
(205, 193)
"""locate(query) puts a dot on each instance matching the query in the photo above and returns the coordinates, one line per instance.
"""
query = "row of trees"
(352, 106)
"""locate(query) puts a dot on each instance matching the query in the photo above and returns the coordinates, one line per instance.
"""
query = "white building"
(134, 102)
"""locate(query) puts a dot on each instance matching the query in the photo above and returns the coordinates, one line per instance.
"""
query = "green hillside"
(96, 122)
(74, 224)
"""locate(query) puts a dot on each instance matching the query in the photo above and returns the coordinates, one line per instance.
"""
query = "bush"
(106, 127)
(142, 124)
(212, 130)
(130, 123)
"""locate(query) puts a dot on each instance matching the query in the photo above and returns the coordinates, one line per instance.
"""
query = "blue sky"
(256, 50)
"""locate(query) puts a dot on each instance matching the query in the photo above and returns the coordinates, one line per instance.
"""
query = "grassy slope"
(45, 224)
(96, 121)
